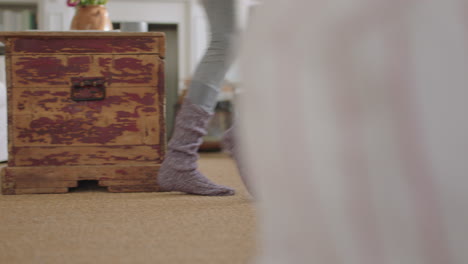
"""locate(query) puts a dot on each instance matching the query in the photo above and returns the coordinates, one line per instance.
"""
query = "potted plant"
(90, 15)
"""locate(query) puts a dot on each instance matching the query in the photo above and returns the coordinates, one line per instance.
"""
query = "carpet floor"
(90, 225)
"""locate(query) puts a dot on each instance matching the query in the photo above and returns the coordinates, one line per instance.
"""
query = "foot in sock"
(191, 182)
(179, 169)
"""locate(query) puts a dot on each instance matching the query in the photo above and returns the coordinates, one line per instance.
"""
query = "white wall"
(3, 113)
(163, 12)
(191, 21)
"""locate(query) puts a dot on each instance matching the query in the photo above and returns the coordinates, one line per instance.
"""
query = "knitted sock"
(179, 169)
(230, 146)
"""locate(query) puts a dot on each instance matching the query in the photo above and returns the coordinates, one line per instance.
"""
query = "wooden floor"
(91, 225)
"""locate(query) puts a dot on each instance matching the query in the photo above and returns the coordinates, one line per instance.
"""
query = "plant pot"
(91, 17)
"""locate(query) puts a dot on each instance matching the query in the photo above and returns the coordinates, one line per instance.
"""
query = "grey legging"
(210, 72)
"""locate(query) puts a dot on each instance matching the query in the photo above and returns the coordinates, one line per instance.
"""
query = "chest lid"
(75, 42)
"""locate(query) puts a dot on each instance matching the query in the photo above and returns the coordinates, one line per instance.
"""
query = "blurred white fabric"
(354, 127)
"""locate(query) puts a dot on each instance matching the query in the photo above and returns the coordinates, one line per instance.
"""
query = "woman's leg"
(179, 169)
(210, 73)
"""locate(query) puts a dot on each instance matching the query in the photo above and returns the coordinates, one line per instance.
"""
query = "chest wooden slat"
(56, 71)
(84, 42)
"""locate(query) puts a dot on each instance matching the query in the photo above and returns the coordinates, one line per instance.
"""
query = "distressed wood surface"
(9, 98)
(48, 45)
(73, 156)
(79, 173)
(127, 71)
(54, 142)
(7, 182)
(44, 184)
(29, 180)
(49, 117)
(84, 42)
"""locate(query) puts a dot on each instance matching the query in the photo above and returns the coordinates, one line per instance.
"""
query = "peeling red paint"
(123, 172)
(9, 176)
(43, 103)
(147, 99)
(105, 62)
(162, 121)
(69, 131)
(90, 114)
(95, 107)
(75, 130)
(58, 159)
(57, 71)
(60, 131)
(84, 45)
(160, 149)
(135, 44)
(119, 147)
(127, 158)
(70, 156)
(103, 135)
(28, 94)
(62, 45)
(72, 109)
(60, 94)
(121, 115)
(93, 156)
(51, 100)
(108, 102)
(149, 110)
(49, 70)
(132, 71)
(82, 60)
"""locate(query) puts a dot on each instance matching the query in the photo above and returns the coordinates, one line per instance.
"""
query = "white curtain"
(355, 130)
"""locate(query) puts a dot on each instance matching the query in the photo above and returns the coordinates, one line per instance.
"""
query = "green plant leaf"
(93, 2)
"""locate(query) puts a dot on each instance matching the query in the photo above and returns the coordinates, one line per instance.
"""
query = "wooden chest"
(84, 106)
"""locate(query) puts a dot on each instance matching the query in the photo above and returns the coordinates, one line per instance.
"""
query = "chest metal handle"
(88, 89)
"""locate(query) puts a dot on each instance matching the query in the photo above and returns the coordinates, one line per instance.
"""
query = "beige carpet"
(93, 226)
